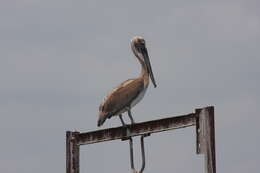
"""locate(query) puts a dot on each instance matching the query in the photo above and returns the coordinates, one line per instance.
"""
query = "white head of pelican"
(126, 95)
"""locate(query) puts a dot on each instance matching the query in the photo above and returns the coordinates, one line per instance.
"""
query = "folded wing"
(121, 97)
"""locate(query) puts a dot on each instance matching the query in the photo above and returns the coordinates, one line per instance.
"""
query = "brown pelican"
(126, 95)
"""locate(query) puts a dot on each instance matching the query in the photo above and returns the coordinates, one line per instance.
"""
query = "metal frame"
(203, 119)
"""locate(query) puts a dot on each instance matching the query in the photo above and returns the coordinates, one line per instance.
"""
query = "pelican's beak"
(148, 65)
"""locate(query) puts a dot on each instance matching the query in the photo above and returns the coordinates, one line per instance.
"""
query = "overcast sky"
(59, 58)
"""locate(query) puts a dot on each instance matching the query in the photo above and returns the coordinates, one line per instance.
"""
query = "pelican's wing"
(121, 96)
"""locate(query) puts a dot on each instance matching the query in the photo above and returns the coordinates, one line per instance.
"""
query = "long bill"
(148, 65)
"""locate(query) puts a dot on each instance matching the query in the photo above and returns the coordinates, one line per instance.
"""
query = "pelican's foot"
(128, 132)
(132, 124)
(125, 126)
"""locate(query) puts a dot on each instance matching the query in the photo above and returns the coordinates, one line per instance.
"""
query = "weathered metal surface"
(198, 133)
(202, 118)
(72, 152)
(206, 137)
(137, 129)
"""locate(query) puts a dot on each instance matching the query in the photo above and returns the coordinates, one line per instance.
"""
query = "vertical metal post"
(205, 131)
(72, 152)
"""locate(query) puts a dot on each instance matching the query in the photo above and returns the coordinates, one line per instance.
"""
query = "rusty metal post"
(205, 131)
(203, 119)
(72, 152)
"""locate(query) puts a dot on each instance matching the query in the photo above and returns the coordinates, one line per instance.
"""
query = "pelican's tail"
(102, 118)
(101, 121)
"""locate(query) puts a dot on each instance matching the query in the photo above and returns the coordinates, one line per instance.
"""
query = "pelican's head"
(140, 51)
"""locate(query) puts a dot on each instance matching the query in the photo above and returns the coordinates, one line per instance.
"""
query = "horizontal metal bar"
(137, 129)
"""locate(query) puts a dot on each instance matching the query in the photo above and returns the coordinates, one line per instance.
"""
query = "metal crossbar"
(203, 119)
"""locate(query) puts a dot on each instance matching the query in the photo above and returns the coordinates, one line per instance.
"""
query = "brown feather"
(121, 97)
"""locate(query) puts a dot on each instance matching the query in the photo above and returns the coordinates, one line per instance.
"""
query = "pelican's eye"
(140, 44)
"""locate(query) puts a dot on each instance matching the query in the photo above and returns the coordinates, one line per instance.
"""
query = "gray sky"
(58, 59)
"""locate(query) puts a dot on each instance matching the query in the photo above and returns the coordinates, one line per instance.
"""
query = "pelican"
(126, 95)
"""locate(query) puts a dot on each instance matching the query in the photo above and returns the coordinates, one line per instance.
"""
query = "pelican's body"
(126, 95)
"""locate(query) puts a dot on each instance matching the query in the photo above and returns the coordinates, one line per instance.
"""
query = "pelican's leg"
(122, 121)
(130, 116)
